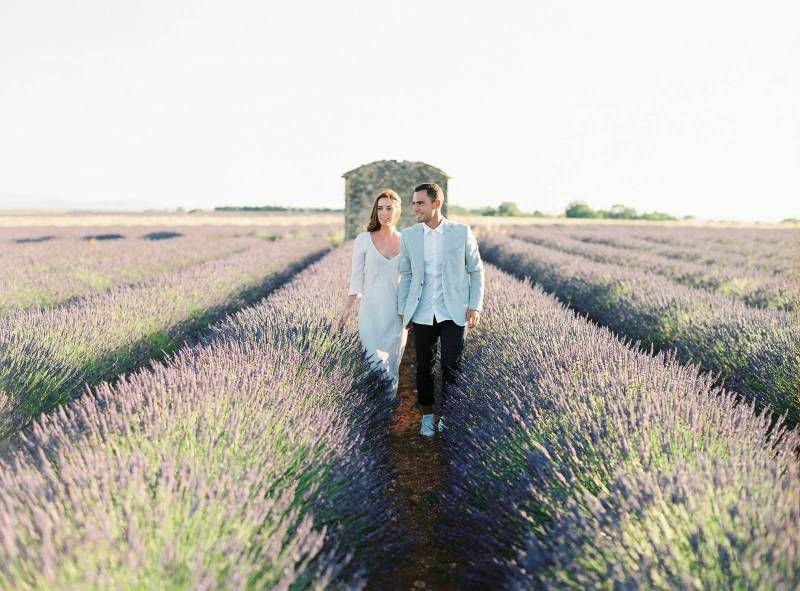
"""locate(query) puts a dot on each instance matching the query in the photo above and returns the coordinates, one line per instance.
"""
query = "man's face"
(424, 207)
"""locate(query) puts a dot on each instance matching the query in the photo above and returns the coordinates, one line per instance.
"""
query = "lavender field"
(49, 266)
(626, 417)
(752, 350)
(255, 459)
(578, 462)
(762, 271)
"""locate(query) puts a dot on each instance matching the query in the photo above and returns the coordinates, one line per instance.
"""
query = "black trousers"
(451, 337)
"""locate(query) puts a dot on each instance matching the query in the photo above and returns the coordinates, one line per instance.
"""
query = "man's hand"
(472, 318)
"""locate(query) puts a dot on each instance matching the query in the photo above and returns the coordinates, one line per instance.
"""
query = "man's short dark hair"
(433, 191)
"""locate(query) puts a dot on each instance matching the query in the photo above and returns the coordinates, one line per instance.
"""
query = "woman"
(373, 283)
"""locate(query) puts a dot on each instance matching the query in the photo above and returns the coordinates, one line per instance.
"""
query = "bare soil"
(416, 492)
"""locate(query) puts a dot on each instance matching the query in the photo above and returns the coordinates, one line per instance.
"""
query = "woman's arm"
(356, 280)
(349, 305)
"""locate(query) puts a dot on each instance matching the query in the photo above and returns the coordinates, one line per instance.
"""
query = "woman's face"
(385, 211)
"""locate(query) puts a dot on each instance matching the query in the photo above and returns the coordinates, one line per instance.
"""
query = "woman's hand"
(343, 317)
(349, 305)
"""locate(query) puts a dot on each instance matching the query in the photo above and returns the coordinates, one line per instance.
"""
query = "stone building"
(363, 183)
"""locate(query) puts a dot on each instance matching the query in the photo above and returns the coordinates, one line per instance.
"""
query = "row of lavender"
(51, 266)
(255, 460)
(574, 461)
(772, 251)
(756, 286)
(755, 352)
(47, 356)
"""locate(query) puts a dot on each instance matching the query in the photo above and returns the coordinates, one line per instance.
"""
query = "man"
(440, 293)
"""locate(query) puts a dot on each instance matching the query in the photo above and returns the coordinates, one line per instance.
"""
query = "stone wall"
(363, 183)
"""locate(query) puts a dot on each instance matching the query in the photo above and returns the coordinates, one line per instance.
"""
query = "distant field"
(27, 218)
(512, 221)
(10, 219)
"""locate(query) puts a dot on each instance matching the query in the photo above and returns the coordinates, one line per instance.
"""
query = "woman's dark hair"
(374, 224)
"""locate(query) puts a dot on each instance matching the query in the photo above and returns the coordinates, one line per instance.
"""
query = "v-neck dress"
(376, 278)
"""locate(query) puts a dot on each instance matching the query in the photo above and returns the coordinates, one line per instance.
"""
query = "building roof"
(402, 163)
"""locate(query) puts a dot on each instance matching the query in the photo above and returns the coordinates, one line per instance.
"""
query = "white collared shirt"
(431, 300)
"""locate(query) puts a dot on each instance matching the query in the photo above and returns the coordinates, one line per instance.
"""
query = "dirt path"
(416, 492)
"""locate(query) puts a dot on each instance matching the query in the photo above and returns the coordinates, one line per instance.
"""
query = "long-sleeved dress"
(376, 278)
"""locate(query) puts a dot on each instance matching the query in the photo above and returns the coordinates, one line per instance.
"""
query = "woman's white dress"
(376, 278)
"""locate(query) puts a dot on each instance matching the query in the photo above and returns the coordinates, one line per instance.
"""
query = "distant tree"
(619, 212)
(509, 209)
(579, 209)
(505, 209)
(791, 221)
(657, 216)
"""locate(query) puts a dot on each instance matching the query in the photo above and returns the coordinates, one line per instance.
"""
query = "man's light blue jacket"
(462, 271)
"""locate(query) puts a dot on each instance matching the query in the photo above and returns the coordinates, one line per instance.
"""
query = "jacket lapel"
(446, 236)
(419, 251)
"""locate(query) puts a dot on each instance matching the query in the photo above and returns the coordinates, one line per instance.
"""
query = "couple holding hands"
(429, 278)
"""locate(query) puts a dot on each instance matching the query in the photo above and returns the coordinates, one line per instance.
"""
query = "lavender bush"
(47, 356)
(574, 461)
(755, 352)
(256, 460)
(752, 286)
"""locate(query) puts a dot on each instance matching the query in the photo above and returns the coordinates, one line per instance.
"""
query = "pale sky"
(689, 107)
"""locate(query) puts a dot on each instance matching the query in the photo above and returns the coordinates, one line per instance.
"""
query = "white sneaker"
(427, 428)
(441, 423)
